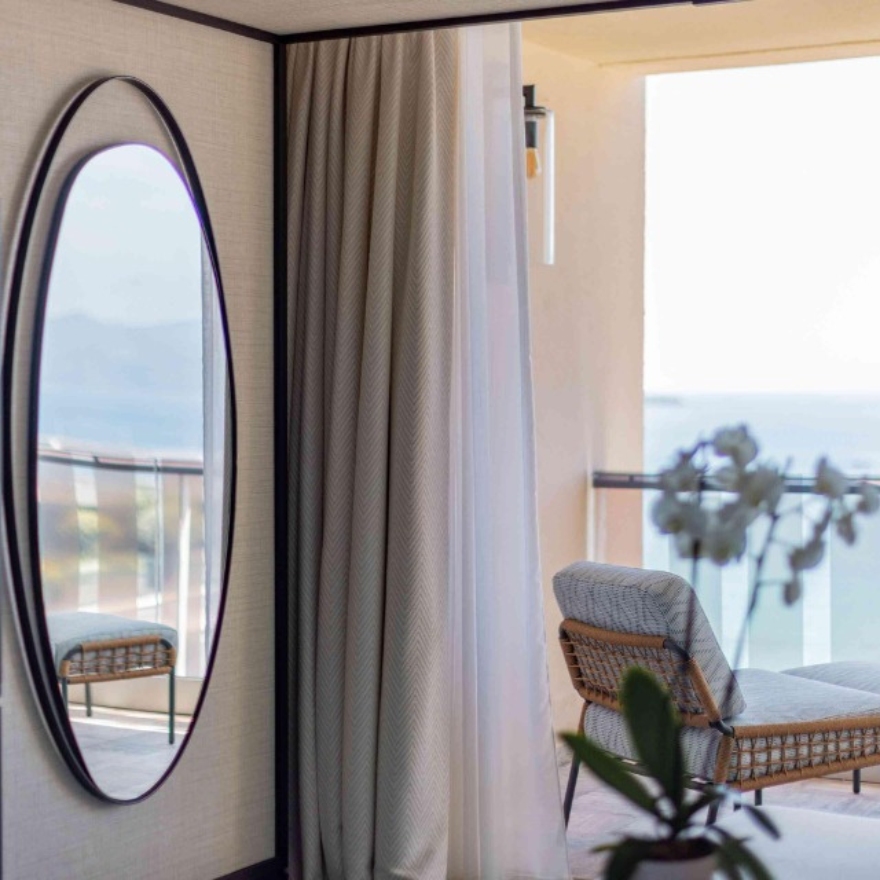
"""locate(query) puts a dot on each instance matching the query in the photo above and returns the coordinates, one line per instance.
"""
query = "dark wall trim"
(244, 30)
(490, 18)
(213, 21)
(282, 469)
(270, 870)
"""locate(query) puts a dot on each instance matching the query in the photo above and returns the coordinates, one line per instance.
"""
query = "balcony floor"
(599, 816)
(126, 752)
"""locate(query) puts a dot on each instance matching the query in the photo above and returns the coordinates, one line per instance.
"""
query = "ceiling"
(691, 32)
(675, 32)
(306, 16)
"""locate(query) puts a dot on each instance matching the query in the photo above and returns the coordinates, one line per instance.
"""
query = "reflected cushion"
(69, 629)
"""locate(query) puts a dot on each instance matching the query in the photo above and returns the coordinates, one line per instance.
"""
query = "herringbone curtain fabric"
(372, 161)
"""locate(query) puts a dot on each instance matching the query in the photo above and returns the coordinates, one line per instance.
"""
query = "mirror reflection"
(132, 435)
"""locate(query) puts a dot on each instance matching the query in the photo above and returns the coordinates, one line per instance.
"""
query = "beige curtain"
(372, 153)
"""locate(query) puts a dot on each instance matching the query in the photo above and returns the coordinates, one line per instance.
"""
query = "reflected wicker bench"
(775, 727)
(89, 648)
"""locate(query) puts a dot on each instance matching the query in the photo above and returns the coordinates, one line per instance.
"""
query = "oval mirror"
(131, 438)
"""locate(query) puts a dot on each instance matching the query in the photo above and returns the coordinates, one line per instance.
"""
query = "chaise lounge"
(751, 730)
(89, 648)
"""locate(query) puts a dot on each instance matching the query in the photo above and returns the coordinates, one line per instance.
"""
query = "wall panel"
(215, 815)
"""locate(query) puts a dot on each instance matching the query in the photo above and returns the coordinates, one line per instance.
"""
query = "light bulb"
(533, 163)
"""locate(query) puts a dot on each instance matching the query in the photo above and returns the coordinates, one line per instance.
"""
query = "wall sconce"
(533, 115)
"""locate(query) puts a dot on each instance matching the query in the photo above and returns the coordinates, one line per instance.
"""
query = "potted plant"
(685, 848)
(706, 529)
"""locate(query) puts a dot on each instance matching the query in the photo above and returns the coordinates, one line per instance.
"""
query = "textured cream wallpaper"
(587, 313)
(215, 814)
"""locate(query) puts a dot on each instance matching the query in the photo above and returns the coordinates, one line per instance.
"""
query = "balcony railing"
(126, 536)
(838, 617)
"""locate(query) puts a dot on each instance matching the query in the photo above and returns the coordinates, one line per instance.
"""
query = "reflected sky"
(130, 246)
(122, 349)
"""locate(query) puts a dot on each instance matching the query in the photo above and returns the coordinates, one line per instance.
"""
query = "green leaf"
(612, 772)
(727, 864)
(762, 819)
(626, 858)
(706, 799)
(654, 729)
(734, 850)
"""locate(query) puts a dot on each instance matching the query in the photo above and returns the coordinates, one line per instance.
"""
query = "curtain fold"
(423, 739)
(372, 140)
(505, 812)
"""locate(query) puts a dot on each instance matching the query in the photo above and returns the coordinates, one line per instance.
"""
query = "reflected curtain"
(505, 810)
(372, 147)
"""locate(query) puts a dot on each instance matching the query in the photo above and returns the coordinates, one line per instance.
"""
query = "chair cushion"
(774, 699)
(857, 674)
(608, 728)
(69, 629)
(654, 603)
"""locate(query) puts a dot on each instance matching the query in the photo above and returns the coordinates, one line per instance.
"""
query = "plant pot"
(687, 869)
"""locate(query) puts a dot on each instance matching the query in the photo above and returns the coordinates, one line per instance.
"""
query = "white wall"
(215, 814)
(587, 325)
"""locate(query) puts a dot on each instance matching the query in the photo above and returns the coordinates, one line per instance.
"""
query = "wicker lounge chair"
(752, 730)
(90, 648)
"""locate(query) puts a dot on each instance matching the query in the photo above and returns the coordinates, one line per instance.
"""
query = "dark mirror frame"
(31, 618)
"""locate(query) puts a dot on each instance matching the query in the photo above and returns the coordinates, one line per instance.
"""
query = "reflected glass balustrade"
(126, 536)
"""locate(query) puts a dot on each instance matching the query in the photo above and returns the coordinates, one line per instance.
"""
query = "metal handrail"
(117, 463)
(624, 480)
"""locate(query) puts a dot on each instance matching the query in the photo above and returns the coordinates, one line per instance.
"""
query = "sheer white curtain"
(505, 811)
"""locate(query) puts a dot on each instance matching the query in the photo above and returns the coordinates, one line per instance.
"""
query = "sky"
(763, 230)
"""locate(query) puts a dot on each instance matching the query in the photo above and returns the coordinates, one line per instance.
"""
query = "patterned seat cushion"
(857, 674)
(654, 603)
(768, 739)
(69, 629)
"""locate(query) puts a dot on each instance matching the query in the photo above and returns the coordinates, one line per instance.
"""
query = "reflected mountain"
(122, 389)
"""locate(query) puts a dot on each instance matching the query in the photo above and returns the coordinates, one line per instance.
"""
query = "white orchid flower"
(762, 486)
(846, 528)
(869, 499)
(735, 443)
(723, 541)
(668, 514)
(808, 556)
(727, 478)
(683, 477)
(686, 546)
(830, 482)
(792, 590)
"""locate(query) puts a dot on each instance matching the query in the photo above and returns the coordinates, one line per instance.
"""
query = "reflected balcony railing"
(126, 536)
(838, 617)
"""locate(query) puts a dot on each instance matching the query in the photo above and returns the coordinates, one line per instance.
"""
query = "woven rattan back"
(597, 659)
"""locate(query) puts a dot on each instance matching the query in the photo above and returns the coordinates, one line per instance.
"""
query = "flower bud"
(830, 482)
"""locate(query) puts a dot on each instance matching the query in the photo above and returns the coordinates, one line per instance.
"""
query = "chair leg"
(857, 781)
(759, 797)
(88, 700)
(171, 707)
(569, 789)
(712, 818)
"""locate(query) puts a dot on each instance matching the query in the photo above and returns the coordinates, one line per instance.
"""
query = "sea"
(793, 430)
